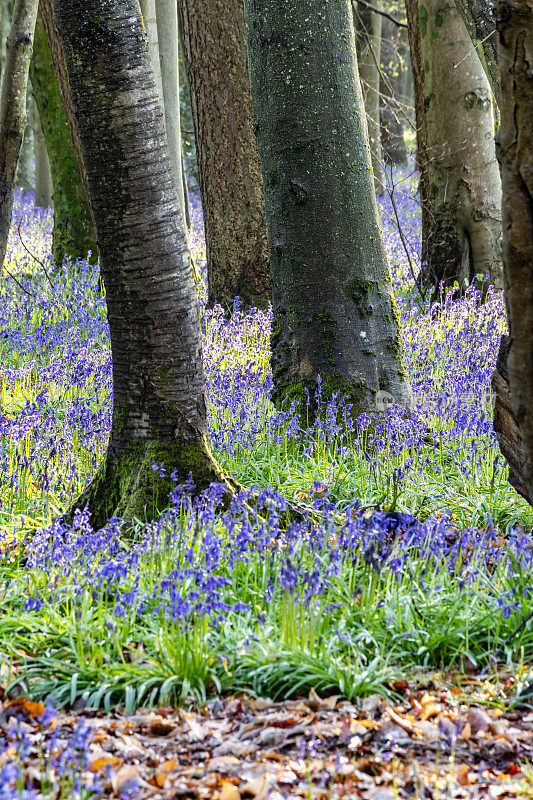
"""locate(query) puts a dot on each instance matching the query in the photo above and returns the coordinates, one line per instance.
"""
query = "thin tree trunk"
(186, 201)
(150, 23)
(159, 409)
(25, 176)
(334, 315)
(46, 10)
(43, 176)
(73, 233)
(514, 20)
(368, 27)
(228, 161)
(167, 31)
(13, 108)
(478, 17)
(390, 89)
(465, 186)
(417, 70)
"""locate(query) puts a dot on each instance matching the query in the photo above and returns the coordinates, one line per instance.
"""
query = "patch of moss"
(423, 18)
(358, 290)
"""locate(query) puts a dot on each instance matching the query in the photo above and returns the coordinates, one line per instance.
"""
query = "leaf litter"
(443, 738)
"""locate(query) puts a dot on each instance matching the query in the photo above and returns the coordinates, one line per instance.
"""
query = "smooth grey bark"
(13, 115)
(159, 408)
(393, 145)
(148, 11)
(25, 176)
(43, 176)
(465, 187)
(478, 17)
(228, 161)
(167, 32)
(514, 19)
(334, 315)
(417, 70)
(368, 35)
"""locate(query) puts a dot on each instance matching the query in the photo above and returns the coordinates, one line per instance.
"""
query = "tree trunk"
(514, 20)
(417, 70)
(465, 186)
(159, 409)
(25, 176)
(43, 177)
(73, 233)
(148, 11)
(13, 108)
(505, 424)
(167, 31)
(390, 88)
(368, 28)
(228, 161)
(479, 20)
(334, 316)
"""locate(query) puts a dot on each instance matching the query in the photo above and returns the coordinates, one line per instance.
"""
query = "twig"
(34, 257)
(519, 627)
(376, 10)
(30, 294)
(390, 192)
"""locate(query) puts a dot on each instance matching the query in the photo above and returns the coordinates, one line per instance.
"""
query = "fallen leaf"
(159, 726)
(104, 761)
(466, 733)
(34, 709)
(228, 791)
(125, 780)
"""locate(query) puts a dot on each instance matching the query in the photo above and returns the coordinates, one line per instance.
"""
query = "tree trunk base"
(505, 424)
(138, 484)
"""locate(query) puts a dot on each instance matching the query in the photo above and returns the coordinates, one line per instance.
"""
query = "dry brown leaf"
(127, 778)
(159, 726)
(104, 761)
(34, 709)
(466, 733)
(228, 791)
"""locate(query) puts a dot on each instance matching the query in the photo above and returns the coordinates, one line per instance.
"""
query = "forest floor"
(448, 737)
(391, 627)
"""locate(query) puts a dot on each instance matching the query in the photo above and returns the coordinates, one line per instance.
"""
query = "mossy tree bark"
(514, 19)
(417, 70)
(334, 315)
(228, 161)
(13, 115)
(391, 101)
(43, 176)
(159, 408)
(73, 234)
(368, 36)
(465, 187)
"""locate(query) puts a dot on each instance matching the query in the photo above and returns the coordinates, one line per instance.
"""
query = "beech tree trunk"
(167, 31)
(514, 19)
(228, 161)
(465, 188)
(13, 115)
(43, 177)
(74, 234)
(417, 70)
(390, 89)
(25, 176)
(505, 424)
(149, 14)
(478, 17)
(368, 29)
(334, 315)
(159, 409)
